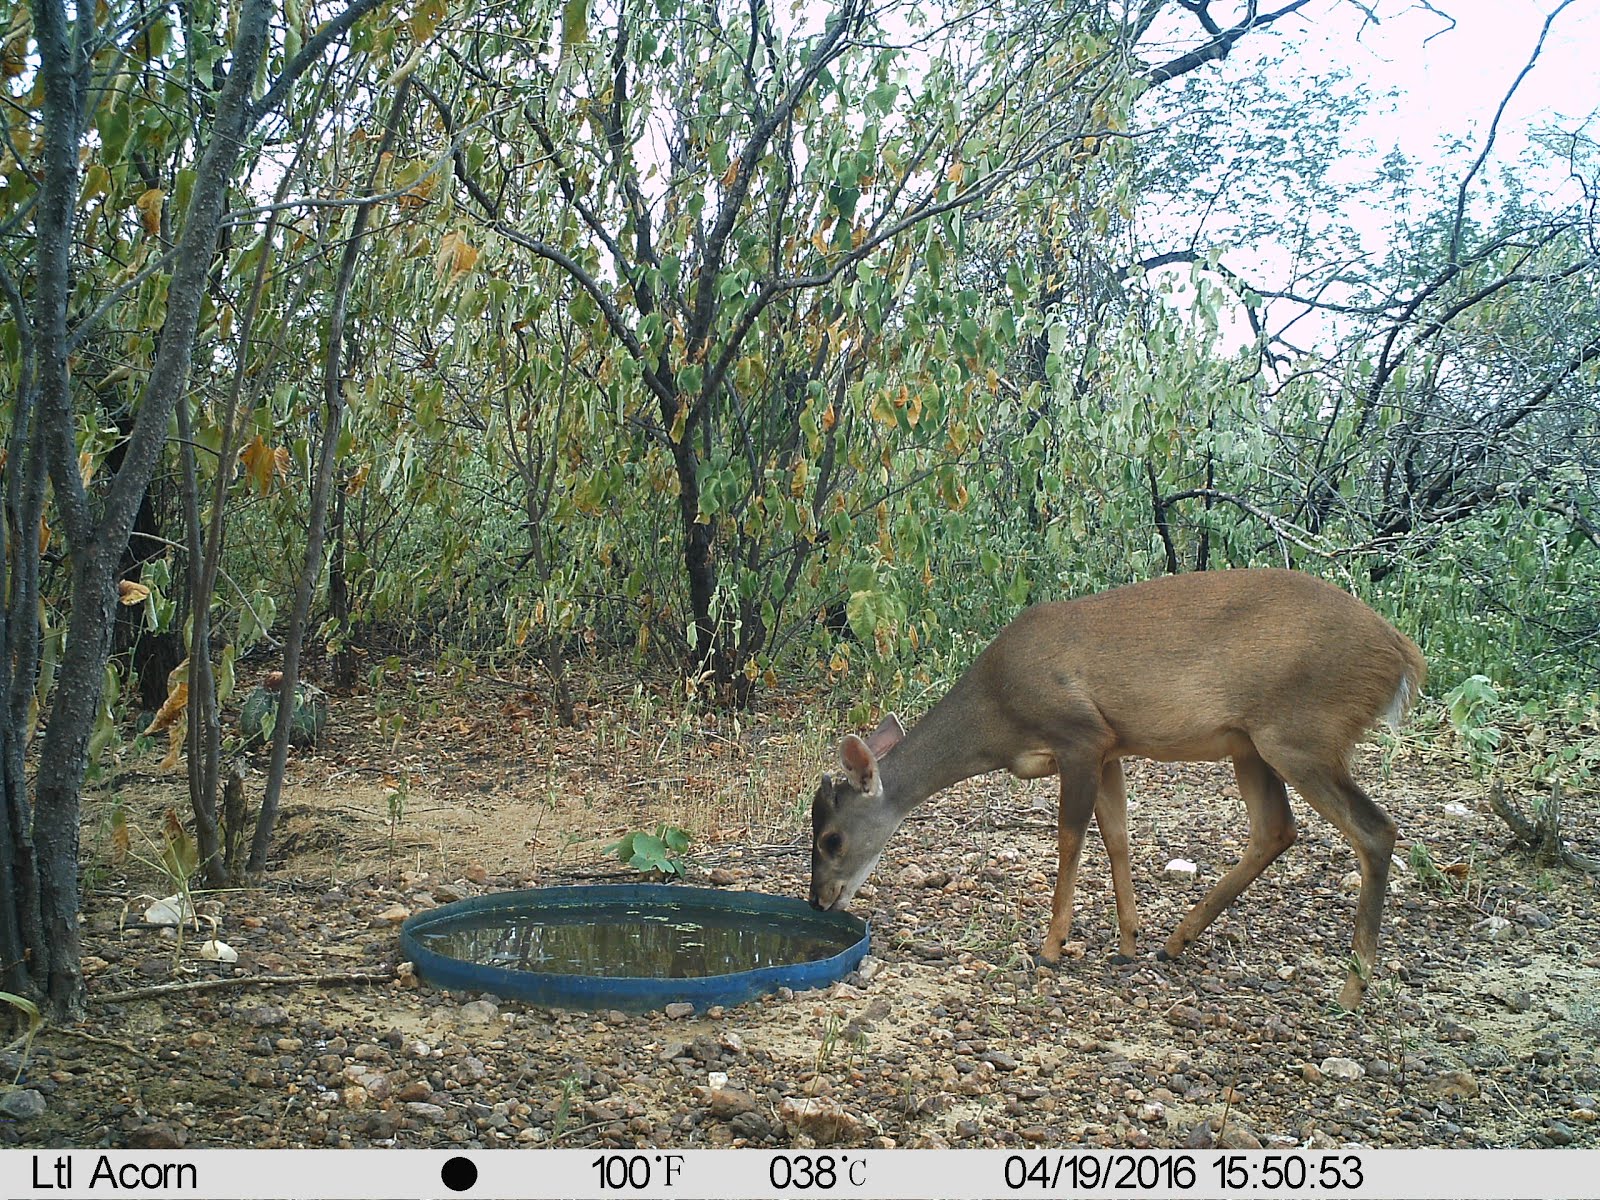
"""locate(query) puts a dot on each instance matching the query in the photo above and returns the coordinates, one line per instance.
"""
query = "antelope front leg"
(1079, 784)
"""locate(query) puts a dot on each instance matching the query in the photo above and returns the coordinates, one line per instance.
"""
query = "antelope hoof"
(1121, 960)
(1163, 956)
(1039, 960)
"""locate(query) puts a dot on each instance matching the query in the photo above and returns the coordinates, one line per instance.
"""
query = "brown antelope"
(1279, 671)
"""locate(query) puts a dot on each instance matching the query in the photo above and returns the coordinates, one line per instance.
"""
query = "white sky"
(1451, 84)
(1448, 82)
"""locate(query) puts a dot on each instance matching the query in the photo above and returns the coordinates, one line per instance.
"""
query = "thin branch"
(1221, 43)
(1494, 125)
(1279, 529)
(113, 297)
(340, 978)
(309, 54)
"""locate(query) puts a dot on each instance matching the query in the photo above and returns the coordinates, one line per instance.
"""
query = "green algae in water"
(633, 941)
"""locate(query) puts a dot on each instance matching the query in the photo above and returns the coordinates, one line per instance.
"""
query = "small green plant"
(831, 1029)
(177, 858)
(563, 1115)
(859, 1047)
(1426, 870)
(660, 852)
(1471, 705)
(395, 797)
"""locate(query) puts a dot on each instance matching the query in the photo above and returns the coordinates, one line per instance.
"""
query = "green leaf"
(574, 22)
(676, 840)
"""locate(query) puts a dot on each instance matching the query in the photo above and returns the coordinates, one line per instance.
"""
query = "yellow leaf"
(131, 593)
(417, 196)
(956, 172)
(358, 479)
(172, 709)
(175, 738)
(149, 206)
(455, 258)
(86, 465)
(730, 174)
(262, 462)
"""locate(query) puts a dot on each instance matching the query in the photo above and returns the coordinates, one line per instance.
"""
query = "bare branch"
(1494, 125)
(1222, 40)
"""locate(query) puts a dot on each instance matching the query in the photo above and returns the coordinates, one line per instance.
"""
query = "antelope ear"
(860, 765)
(886, 736)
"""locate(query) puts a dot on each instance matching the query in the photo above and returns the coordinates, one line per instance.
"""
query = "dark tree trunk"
(344, 658)
(96, 539)
(63, 759)
(152, 656)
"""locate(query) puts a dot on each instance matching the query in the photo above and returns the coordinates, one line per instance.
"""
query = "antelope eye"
(831, 843)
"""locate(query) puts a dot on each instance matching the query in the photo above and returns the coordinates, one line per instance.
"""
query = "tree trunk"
(95, 539)
(699, 557)
(63, 759)
(344, 658)
(204, 727)
(333, 400)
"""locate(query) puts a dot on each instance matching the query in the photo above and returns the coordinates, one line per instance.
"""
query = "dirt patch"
(1477, 1032)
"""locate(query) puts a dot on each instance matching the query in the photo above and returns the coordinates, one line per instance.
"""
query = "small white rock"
(1181, 868)
(171, 910)
(1286, 972)
(1351, 882)
(1456, 809)
(215, 951)
(717, 1080)
(1347, 1069)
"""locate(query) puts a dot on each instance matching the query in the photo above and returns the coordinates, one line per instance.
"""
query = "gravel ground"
(1481, 1029)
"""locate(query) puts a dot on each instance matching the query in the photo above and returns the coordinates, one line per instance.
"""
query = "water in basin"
(653, 941)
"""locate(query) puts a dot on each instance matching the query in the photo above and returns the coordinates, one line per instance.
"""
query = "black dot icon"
(459, 1174)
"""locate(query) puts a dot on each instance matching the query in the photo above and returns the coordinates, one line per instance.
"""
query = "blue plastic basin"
(502, 923)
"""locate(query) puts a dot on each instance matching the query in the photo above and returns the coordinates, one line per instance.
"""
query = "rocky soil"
(1481, 1030)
